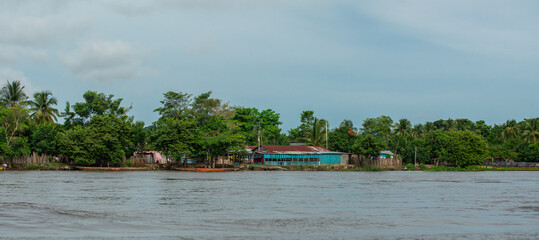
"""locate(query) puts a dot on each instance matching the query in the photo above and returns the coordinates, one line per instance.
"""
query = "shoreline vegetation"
(258, 167)
(98, 132)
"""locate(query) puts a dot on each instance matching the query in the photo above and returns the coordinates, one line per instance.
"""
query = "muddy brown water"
(269, 205)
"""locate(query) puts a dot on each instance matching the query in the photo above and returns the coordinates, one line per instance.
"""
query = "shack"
(386, 154)
(285, 155)
(151, 157)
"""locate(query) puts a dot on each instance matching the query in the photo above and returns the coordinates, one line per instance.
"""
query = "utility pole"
(259, 137)
(327, 135)
(415, 156)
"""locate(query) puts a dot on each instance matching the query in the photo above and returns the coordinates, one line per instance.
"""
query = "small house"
(151, 157)
(386, 154)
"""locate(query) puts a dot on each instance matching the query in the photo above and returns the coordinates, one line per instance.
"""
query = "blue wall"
(306, 159)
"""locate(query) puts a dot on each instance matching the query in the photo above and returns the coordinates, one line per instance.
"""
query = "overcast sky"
(420, 60)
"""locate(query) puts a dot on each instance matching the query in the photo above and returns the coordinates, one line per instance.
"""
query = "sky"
(422, 60)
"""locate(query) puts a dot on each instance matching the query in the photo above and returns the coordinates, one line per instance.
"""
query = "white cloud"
(37, 31)
(104, 61)
(28, 37)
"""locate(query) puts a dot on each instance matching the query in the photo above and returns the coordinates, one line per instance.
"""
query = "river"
(269, 205)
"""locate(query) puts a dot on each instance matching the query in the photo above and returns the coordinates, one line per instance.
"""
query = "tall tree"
(42, 107)
(13, 121)
(13, 93)
(94, 104)
(465, 148)
(403, 128)
(103, 142)
(175, 137)
(316, 134)
(175, 105)
(368, 145)
(510, 129)
(343, 138)
(530, 127)
(418, 130)
(379, 127)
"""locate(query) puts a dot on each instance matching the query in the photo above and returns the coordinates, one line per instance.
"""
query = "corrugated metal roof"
(287, 149)
(386, 152)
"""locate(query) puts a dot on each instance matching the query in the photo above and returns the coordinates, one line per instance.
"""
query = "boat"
(111, 168)
(205, 169)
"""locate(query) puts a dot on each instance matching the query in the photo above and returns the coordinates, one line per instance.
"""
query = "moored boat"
(111, 168)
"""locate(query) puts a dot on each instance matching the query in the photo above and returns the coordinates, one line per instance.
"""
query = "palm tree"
(315, 134)
(510, 129)
(403, 127)
(429, 127)
(418, 130)
(13, 93)
(450, 124)
(42, 109)
(530, 130)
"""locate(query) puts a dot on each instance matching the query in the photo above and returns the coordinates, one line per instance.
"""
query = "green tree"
(529, 154)
(511, 129)
(138, 135)
(403, 130)
(482, 128)
(94, 104)
(175, 105)
(315, 135)
(174, 137)
(465, 148)
(408, 153)
(42, 108)
(102, 143)
(450, 125)
(43, 139)
(379, 127)
(418, 130)
(217, 131)
(217, 136)
(250, 121)
(368, 145)
(435, 144)
(13, 94)
(343, 138)
(13, 121)
(464, 124)
(269, 122)
(530, 130)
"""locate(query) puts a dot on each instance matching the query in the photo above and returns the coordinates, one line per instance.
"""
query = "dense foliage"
(99, 132)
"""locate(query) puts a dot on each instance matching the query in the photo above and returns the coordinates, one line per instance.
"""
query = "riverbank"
(253, 167)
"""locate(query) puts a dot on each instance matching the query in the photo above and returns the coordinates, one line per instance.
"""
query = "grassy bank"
(253, 167)
(42, 166)
(473, 168)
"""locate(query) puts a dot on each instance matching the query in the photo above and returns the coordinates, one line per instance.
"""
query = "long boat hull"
(112, 168)
(205, 169)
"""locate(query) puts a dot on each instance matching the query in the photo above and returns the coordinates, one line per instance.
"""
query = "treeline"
(98, 131)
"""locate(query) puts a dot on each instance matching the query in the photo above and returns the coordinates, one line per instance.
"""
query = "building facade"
(282, 155)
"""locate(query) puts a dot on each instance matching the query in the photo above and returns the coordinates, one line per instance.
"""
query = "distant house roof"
(387, 152)
(288, 149)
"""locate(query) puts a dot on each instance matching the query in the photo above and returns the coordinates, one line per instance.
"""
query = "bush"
(529, 154)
